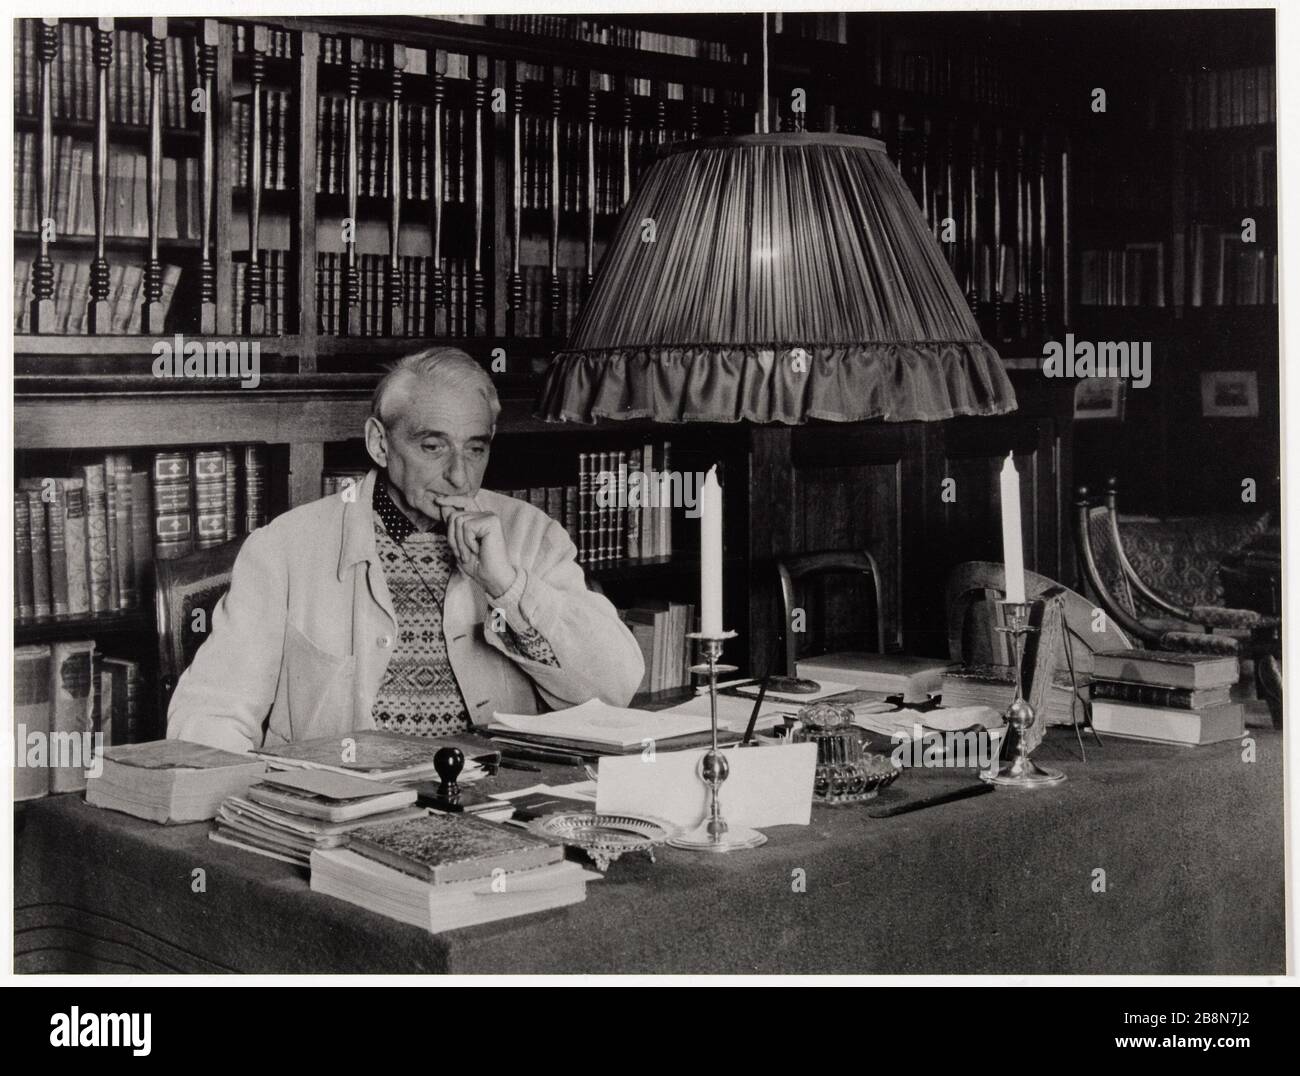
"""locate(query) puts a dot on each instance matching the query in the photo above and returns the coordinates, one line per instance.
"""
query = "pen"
(512, 764)
(758, 705)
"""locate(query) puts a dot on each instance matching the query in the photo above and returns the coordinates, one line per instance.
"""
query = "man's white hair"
(450, 367)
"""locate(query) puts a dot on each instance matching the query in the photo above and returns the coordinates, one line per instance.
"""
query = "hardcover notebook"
(380, 756)
(1191, 671)
(329, 796)
(442, 848)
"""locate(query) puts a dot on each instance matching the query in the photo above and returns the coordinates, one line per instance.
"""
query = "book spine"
(97, 557)
(232, 493)
(56, 536)
(622, 544)
(649, 498)
(583, 535)
(254, 488)
(110, 504)
(70, 703)
(1178, 698)
(209, 498)
(31, 720)
(141, 531)
(128, 597)
(172, 524)
(74, 538)
(40, 554)
(23, 599)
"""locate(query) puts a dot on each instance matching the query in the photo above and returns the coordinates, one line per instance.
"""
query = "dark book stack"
(1133, 276)
(1227, 272)
(1169, 698)
(1237, 97)
(126, 209)
(604, 32)
(73, 76)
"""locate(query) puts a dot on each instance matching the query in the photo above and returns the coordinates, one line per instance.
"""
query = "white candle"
(1012, 545)
(711, 555)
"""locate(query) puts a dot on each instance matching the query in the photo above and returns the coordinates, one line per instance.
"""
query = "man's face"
(436, 442)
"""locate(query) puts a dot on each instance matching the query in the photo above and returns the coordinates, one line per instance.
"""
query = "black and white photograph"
(618, 494)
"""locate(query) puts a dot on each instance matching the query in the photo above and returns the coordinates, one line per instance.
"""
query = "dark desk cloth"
(1191, 842)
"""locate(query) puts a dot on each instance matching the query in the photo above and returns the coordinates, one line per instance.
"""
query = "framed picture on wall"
(1100, 397)
(1230, 394)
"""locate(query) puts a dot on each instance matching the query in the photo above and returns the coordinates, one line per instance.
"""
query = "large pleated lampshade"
(775, 278)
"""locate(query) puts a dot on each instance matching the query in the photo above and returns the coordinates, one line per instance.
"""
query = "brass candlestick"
(714, 834)
(1020, 771)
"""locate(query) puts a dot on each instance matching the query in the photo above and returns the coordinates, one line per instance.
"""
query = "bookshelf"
(1186, 154)
(517, 140)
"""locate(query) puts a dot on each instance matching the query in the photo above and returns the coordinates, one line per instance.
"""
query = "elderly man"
(415, 602)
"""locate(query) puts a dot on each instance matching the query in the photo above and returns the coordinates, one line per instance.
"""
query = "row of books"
(126, 211)
(73, 82)
(1232, 97)
(206, 497)
(275, 276)
(535, 318)
(276, 130)
(1227, 272)
(1133, 276)
(660, 629)
(1171, 698)
(811, 26)
(374, 159)
(378, 55)
(279, 42)
(602, 32)
(973, 76)
(417, 277)
(72, 296)
(535, 184)
(612, 524)
(83, 544)
(1234, 177)
(66, 694)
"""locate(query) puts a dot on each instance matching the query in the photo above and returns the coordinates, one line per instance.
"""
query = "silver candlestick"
(1020, 771)
(714, 834)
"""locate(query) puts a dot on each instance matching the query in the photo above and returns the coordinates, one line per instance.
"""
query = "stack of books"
(583, 733)
(170, 780)
(1168, 698)
(72, 295)
(660, 629)
(288, 815)
(994, 686)
(447, 871)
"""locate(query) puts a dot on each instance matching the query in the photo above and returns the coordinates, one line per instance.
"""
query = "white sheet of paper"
(598, 722)
(733, 713)
(770, 786)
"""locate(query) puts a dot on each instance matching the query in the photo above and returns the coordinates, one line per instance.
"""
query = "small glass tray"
(603, 837)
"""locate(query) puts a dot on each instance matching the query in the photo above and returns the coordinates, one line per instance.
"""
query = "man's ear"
(377, 441)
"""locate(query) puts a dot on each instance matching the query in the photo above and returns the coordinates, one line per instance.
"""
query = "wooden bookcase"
(976, 146)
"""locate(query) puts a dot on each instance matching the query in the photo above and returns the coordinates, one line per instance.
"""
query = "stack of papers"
(381, 756)
(290, 814)
(595, 728)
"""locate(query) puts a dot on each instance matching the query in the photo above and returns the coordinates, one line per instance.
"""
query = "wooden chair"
(975, 586)
(794, 569)
(186, 585)
(1098, 542)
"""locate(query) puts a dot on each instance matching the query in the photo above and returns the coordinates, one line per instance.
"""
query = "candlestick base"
(703, 839)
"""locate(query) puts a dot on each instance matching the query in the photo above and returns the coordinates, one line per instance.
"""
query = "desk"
(1191, 841)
